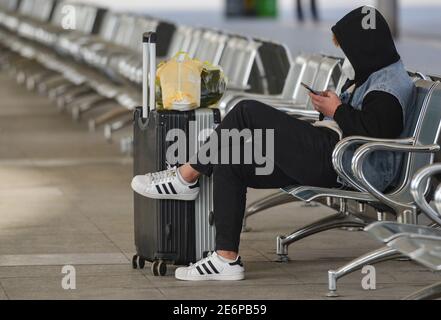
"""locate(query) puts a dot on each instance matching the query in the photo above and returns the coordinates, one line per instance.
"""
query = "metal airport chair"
(179, 40)
(211, 46)
(245, 57)
(419, 148)
(75, 48)
(299, 96)
(237, 61)
(419, 243)
(97, 55)
(89, 19)
(290, 89)
(66, 77)
(46, 34)
(108, 90)
(424, 131)
(18, 22)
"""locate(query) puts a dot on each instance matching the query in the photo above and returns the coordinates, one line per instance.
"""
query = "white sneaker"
(213, 267)
(167, 184)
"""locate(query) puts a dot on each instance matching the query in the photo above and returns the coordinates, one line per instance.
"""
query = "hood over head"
(368, 49)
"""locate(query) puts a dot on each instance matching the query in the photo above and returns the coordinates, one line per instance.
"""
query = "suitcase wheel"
(159, 268)
(138, 261)
(134, 262)
(141, 263)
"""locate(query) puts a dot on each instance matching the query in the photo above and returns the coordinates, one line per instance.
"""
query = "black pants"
(302, 155)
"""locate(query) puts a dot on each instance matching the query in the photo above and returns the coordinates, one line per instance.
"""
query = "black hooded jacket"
(368, 50)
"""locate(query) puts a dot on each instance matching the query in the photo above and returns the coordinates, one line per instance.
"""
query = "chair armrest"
(417, 187)
(362, 152)
(237, 87)
(342, 146)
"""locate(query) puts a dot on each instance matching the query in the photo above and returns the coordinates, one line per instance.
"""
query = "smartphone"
(310, 89)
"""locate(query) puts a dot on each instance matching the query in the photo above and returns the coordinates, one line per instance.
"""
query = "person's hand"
(326, 103)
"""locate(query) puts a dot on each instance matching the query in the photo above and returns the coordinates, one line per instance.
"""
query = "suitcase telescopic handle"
(149, 73)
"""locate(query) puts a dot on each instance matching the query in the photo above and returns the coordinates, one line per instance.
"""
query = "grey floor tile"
(3, 295)
(127, 286)
(62, 259)
(54, 271)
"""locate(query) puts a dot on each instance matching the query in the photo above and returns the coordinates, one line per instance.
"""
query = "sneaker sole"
(213, 277)
(183, 197)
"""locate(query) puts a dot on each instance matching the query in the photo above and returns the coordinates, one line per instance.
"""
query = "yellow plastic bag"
(180, 82)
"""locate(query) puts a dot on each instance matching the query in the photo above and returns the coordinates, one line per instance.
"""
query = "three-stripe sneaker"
(213, 267)
(167, 184)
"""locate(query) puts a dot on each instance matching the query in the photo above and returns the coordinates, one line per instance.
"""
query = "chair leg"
(35, 80)
(51, 82)
(110, 128)
(55, 92)
(107, 117)
(334, 221)
(383, 254)
(86, 106)
(432, 292)
(85, 99)
(68, 97)
(275, 199)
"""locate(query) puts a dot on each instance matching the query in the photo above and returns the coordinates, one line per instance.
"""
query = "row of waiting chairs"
(100, 60)
(419, 243)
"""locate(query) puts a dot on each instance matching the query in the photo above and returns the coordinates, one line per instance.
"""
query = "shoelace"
(201, 261)
(162, 176)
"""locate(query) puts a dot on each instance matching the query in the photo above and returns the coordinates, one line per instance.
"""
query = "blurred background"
(418, 22)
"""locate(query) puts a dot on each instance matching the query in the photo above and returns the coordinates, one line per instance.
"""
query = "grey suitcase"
(168, 231)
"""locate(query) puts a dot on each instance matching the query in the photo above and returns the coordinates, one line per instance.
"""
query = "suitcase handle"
(148, 73)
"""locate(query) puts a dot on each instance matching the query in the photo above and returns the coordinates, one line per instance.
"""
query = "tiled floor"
(65, 199)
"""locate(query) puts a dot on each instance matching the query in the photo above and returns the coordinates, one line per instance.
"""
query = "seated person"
(373, 104)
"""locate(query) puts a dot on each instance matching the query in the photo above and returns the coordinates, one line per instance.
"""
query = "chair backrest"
(245, 60)
(211, 46)
(125, 31)
(275, 59)
(90, 17)
(179, 41)
(308, 76)
(9, 5)
(141, 25)
(37, 9)
(227, 59)
(295, 73)
(42, 9)
(424, 126)
(194, 41)
(26, 7)
(238, 58)
(323, 78)
(109, 25)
